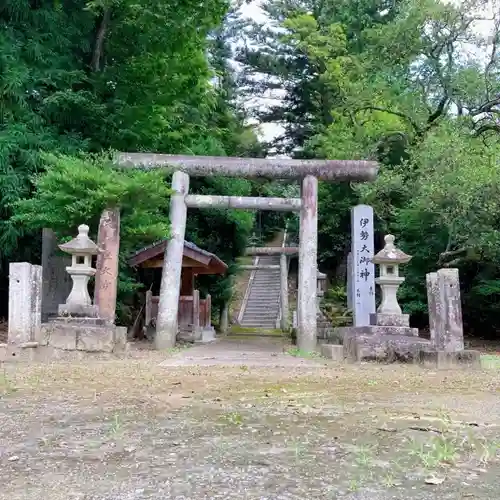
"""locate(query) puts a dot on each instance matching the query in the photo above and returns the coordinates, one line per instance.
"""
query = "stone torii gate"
(307, 172)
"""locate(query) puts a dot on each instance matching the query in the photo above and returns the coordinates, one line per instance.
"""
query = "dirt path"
(141, 428)
(241, 351)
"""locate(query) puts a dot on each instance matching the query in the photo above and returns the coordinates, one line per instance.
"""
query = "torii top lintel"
(277, 168)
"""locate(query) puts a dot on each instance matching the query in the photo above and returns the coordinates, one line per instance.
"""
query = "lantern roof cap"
(82, 244)
(390, 254)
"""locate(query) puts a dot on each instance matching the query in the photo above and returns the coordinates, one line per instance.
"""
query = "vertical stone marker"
(25, 302)
(363, 270)
(106, 278)
(445, 310)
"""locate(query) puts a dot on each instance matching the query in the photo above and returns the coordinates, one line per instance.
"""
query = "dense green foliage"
(414, 84)
(80, 77)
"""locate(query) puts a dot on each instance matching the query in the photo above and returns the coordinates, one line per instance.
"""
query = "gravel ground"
(154, 428)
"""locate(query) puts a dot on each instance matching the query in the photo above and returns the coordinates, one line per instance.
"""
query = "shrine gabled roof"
(203, 257)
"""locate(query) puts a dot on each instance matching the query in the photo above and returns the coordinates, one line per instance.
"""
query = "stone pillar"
(363, 270)
(25, 303)
(56, 281)
(284, 292)
(168, 307)
(308, 249)
(196, 311)
(445, 310)
(208, 305)
(106, 278)
(224, 318)
(433, 305)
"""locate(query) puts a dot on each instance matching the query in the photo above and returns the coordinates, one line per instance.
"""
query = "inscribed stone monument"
(25, 302)
(56, 281)
(445, 310)
(106, 280)
(363, 270)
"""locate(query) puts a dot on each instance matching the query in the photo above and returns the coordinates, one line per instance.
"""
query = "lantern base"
(78, 310)
(380, 319)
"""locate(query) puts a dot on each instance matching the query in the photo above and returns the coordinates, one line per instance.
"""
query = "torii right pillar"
(308, 252)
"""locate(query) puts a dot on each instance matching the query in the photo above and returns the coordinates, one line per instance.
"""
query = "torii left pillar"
(168, 307)
(308, 251)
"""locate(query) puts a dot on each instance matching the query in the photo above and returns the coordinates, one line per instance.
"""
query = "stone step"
(263, 304)
(265, 317)
(261, 314)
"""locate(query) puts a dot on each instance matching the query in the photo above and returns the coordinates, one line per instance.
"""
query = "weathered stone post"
(445, 310)
(168, 307)
(223, 318)
(106, 278)
(284, 292)
(308, 249)
(25, 303)
(196, 312)
(208, 305)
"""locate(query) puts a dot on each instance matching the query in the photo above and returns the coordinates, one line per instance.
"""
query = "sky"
(252, 10)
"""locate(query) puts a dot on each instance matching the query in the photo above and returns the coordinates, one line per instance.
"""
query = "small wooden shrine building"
(194, 317)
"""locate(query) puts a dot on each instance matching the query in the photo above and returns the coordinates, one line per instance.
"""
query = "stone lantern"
(81, 249)
(389, 259)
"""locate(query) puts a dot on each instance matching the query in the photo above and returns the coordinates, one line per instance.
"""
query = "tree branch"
(490, 127)
(404, 116)
(438, 111)
(95, 64)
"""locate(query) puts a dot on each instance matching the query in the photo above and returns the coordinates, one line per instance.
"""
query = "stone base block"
(94, 338)
(85, 321)
(43, 354)
(78, 311)
(18, 352)
(384, 348)
(448, 360)
(378, 319)
(3, 352)
(332, 351)
(399, 331)
(78, 336)
(207, 336)
(121, 341)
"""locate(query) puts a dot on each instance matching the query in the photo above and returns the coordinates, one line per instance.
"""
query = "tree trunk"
(97, 55)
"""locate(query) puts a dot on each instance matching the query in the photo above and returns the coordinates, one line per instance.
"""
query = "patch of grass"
(438, 451)
(298, 353)
(233, 418)
(116, 425)
(364, 457)
(177, 349)
(239, 330)
(6, 384)
(490, 361)
(354, 485)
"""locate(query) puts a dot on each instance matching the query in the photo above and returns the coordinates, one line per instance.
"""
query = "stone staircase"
(262, 305)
